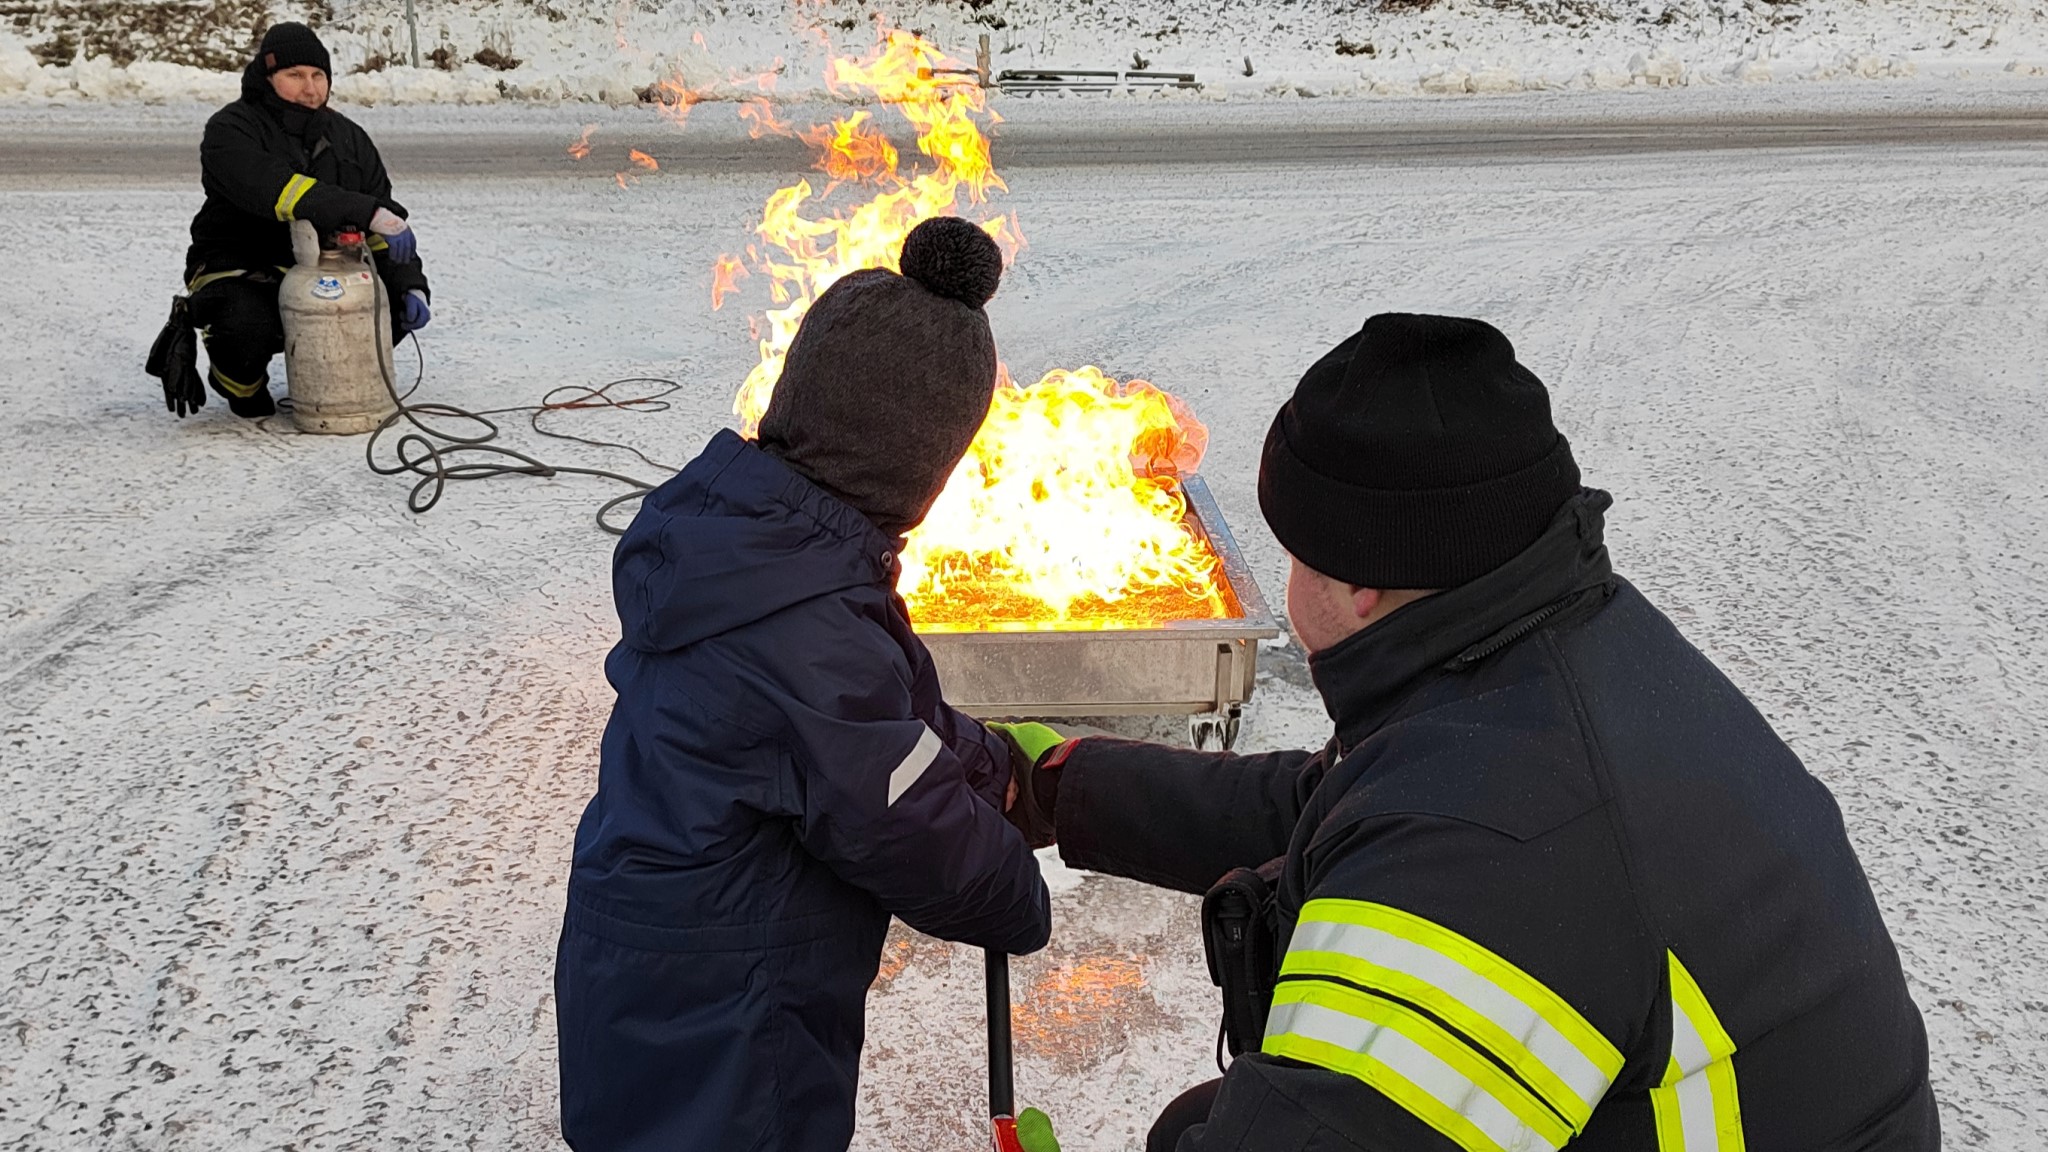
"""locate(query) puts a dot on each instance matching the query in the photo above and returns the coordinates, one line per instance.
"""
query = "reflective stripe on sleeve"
(1413, 1061)
(1696, 1105)
(1518, 1020)
(295, 189)
(921, 756)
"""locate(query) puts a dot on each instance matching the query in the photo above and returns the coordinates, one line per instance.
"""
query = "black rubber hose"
(437, 456)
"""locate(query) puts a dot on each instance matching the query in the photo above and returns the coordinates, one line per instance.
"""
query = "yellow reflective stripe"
(1705, 1041)
(1697, 1107)
(378, 243)
(204, 279)
(294, 190)
(1520, 1021)
(1413, 1061)
(244, 391)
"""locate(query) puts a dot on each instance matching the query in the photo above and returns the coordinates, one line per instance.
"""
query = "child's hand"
(1032, 738)
(1033, 798)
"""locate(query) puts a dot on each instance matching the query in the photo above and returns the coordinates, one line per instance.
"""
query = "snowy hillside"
(600, 50)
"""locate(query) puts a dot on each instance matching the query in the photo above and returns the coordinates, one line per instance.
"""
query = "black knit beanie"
(291, 44)
(890, 376)
(1416, 454)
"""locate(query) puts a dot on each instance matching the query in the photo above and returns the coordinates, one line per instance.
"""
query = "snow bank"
(595, 51)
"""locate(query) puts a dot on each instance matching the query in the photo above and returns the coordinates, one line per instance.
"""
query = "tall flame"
(1067, 509)
(810, 254)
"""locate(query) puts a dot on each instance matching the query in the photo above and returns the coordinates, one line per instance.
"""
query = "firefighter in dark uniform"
(1554, 881)
(277, 155)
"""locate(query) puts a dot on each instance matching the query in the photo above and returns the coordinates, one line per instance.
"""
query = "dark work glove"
(1037, 753)
(174, 359)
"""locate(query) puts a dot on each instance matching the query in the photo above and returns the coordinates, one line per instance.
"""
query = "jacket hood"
(733, 538)
(255, 82)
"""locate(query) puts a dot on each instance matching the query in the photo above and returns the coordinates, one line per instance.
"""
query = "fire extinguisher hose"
(438, 456)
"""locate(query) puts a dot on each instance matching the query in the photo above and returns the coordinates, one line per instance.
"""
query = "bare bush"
(218, 35)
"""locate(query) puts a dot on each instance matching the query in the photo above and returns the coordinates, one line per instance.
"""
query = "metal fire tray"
(1192, 667)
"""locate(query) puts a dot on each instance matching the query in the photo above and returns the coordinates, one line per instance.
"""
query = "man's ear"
(1364, 602)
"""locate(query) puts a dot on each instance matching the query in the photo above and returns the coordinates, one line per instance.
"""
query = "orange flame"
(761, 119)
(1068, 504)
(725, 277)
(643, 160)
(852, 149)
(581, 148)
(810, 254)
(1067, 509)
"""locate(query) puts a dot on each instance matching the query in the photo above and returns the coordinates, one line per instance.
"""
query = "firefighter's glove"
(174, 359)
(413, 313)
(403, 246)
(1036, 756)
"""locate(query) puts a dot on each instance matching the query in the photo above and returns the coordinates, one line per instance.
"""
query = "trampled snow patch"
(294, 773)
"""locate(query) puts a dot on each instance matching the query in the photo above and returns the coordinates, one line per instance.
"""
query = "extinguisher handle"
(1002, 1086)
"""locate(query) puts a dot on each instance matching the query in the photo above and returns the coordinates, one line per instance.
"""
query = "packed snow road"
(85, 144)
(292, 773)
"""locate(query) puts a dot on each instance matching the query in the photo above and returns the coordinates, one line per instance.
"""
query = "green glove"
(1032, 738)
(1034, 786)
(1034, 1128)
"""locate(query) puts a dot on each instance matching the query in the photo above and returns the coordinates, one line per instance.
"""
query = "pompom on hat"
(954, 259)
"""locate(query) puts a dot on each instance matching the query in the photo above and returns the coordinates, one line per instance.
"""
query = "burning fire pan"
(1202, 668)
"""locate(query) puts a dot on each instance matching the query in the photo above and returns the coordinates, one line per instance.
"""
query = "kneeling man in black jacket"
(1554, 880)
(277, 155)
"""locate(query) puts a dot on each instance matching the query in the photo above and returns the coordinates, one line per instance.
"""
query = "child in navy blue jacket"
(780, 774)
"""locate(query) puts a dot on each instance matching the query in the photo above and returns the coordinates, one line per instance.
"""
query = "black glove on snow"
(174, 359)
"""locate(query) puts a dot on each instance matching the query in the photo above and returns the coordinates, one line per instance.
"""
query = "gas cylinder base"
(336, 423)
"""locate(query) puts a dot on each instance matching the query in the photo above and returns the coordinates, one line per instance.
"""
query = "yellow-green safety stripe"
(295, 190)
(235, 388)
(1507, 1012)
(1697, 1107)
(1415, 1062)
(206, 278)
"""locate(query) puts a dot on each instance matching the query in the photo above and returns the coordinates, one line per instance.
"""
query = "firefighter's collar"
(1364, 679)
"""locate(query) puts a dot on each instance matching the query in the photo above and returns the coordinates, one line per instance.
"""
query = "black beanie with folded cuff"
(890, 376)
(1417, 454)
(290, 44)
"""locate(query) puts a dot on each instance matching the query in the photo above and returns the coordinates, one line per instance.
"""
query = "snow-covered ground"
(607, 50)
(292, 773)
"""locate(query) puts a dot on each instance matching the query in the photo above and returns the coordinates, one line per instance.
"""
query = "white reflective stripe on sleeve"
(1688, 1047)
(1464, 994)
(1687, 1091)
(914, 765)
(1402, 1056)
(1698, 1107)
(1696, 1113)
